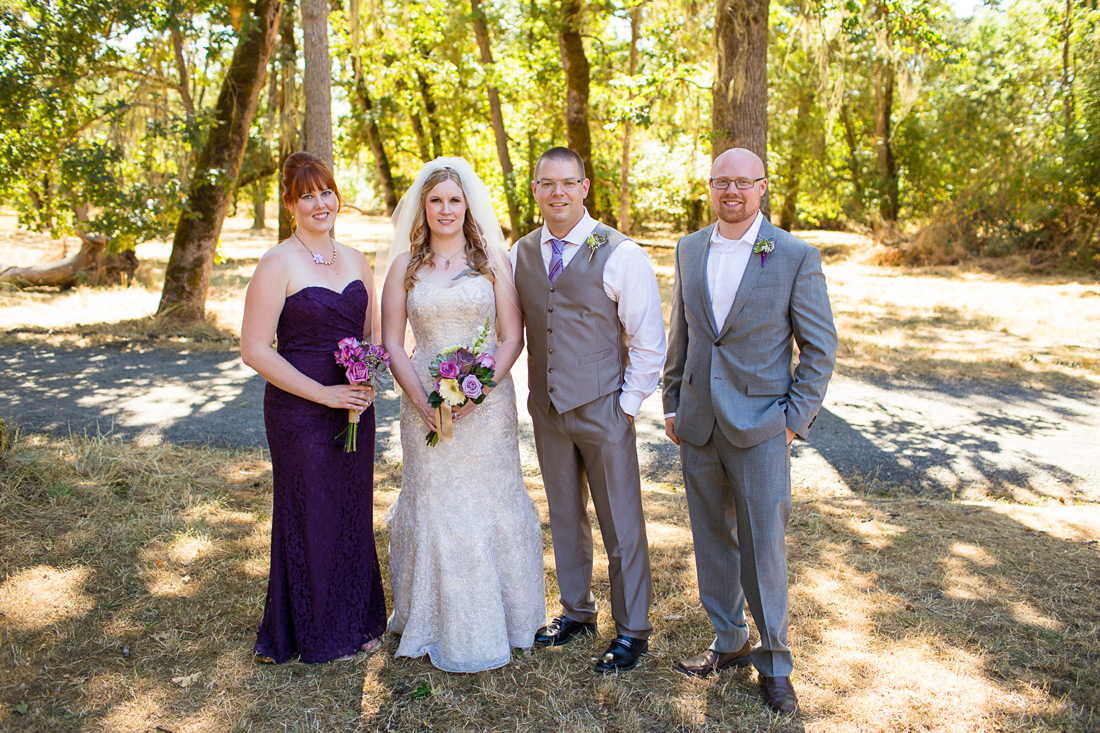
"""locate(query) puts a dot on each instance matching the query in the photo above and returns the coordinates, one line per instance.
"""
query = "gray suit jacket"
(737, 375)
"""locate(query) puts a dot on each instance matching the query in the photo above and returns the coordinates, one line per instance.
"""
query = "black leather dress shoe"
(561, 631)
(623, 654)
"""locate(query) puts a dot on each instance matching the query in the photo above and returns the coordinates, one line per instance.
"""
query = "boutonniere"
(763, 248)
(594, 242)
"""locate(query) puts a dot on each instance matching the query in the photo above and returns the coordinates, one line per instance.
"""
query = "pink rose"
(487, 361)
(448, 370)
(471, 387)
(357, 372)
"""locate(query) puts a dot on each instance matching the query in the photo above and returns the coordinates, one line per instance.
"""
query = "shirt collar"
(577, 235)
(749, 237)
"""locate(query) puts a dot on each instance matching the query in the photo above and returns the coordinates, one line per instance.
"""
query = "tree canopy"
(896, 115)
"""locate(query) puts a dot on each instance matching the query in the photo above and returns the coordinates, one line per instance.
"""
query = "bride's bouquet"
(461, 375)
(362, 362)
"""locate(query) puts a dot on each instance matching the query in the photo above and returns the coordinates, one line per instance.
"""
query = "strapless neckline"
(322, 287)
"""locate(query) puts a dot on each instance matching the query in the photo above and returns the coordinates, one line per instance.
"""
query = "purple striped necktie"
(557, 246)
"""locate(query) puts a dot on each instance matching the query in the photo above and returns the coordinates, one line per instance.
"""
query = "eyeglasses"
(567, 184)
(742, 183)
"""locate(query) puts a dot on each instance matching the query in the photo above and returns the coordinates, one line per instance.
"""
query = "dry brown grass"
(128, 570)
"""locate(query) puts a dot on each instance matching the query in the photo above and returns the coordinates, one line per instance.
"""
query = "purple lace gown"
(324, 592)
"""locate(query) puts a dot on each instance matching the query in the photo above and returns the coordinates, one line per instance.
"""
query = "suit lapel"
(698, 263)
(752, 274)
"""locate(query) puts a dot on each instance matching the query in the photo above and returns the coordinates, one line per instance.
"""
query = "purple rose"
(448, 370)
(471, 387)
(487, 361)
(357, 372)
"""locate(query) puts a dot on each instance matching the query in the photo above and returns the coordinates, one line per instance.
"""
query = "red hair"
(304, 172)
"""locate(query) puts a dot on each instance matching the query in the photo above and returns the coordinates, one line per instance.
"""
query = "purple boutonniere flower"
(762, 248)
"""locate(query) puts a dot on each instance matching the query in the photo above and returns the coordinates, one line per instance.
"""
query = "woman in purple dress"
(324, 593)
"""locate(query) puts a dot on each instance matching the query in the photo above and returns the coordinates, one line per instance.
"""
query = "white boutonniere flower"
(763, 248)
(594, 242)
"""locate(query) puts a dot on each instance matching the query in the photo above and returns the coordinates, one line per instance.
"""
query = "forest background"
(944, 136)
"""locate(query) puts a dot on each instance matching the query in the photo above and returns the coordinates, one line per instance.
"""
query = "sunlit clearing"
(188, 546)
(42, 595)
(165, 583)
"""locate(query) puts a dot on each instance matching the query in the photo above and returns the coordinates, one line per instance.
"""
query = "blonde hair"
(420, 250)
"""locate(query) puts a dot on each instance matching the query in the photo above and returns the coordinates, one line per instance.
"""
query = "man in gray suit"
(744, 292)
(595, 347)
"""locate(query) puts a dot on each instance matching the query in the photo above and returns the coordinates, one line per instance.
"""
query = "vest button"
(550, 371)
(717, 343)
(549, 330)
(550, 390)
(550, 309)
(549, 351)
(553, 290)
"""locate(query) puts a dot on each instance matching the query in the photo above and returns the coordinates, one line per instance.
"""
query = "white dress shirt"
(628, 279)
(726, 263)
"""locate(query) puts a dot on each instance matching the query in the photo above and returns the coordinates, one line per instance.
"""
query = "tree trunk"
(628, 128)
(187, 279)
(429, 109)
(740, 96)
(374, 140)
(884, 75)
(1067, 78)
(573, 60)
(788, 215)
(288, 106)
(884, 148)
(481, 30)
(259, 204)
(181, 68)
(317, 80)
(413, 110)
(92, 261)
(854, 171)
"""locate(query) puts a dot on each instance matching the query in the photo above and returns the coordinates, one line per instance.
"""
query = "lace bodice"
(442, 317)
(465, 539)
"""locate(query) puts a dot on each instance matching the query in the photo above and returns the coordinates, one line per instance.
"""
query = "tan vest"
(576, 347)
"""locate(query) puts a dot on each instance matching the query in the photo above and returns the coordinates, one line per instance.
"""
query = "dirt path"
(936, 439)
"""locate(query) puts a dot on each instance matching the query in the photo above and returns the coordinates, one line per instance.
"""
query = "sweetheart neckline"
(450, 287)
(322, 287)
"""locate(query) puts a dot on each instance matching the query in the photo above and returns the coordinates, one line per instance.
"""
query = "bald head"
(736, 207)
(741, 159)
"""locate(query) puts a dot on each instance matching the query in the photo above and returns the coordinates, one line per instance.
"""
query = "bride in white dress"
(465, 539)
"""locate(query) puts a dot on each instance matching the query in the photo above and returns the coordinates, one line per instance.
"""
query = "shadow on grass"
(996, 592)
(129, 570)
(943, 439)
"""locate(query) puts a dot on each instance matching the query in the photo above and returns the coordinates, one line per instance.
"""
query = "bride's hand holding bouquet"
(463, 376)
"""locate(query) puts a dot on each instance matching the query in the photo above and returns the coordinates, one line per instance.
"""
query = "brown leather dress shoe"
(710, 661)
(779, 694)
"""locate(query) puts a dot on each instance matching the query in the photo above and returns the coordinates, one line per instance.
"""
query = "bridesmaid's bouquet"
(362, 362)
(461, 375)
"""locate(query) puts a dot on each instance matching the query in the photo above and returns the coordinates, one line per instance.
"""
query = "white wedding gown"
(465, 538)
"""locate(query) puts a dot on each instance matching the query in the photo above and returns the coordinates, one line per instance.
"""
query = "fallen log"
(92, 264)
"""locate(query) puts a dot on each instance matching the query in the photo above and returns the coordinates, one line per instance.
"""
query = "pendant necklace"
(447, 260)
(317, 258)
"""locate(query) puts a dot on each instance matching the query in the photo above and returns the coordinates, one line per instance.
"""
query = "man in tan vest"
(595, 345)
